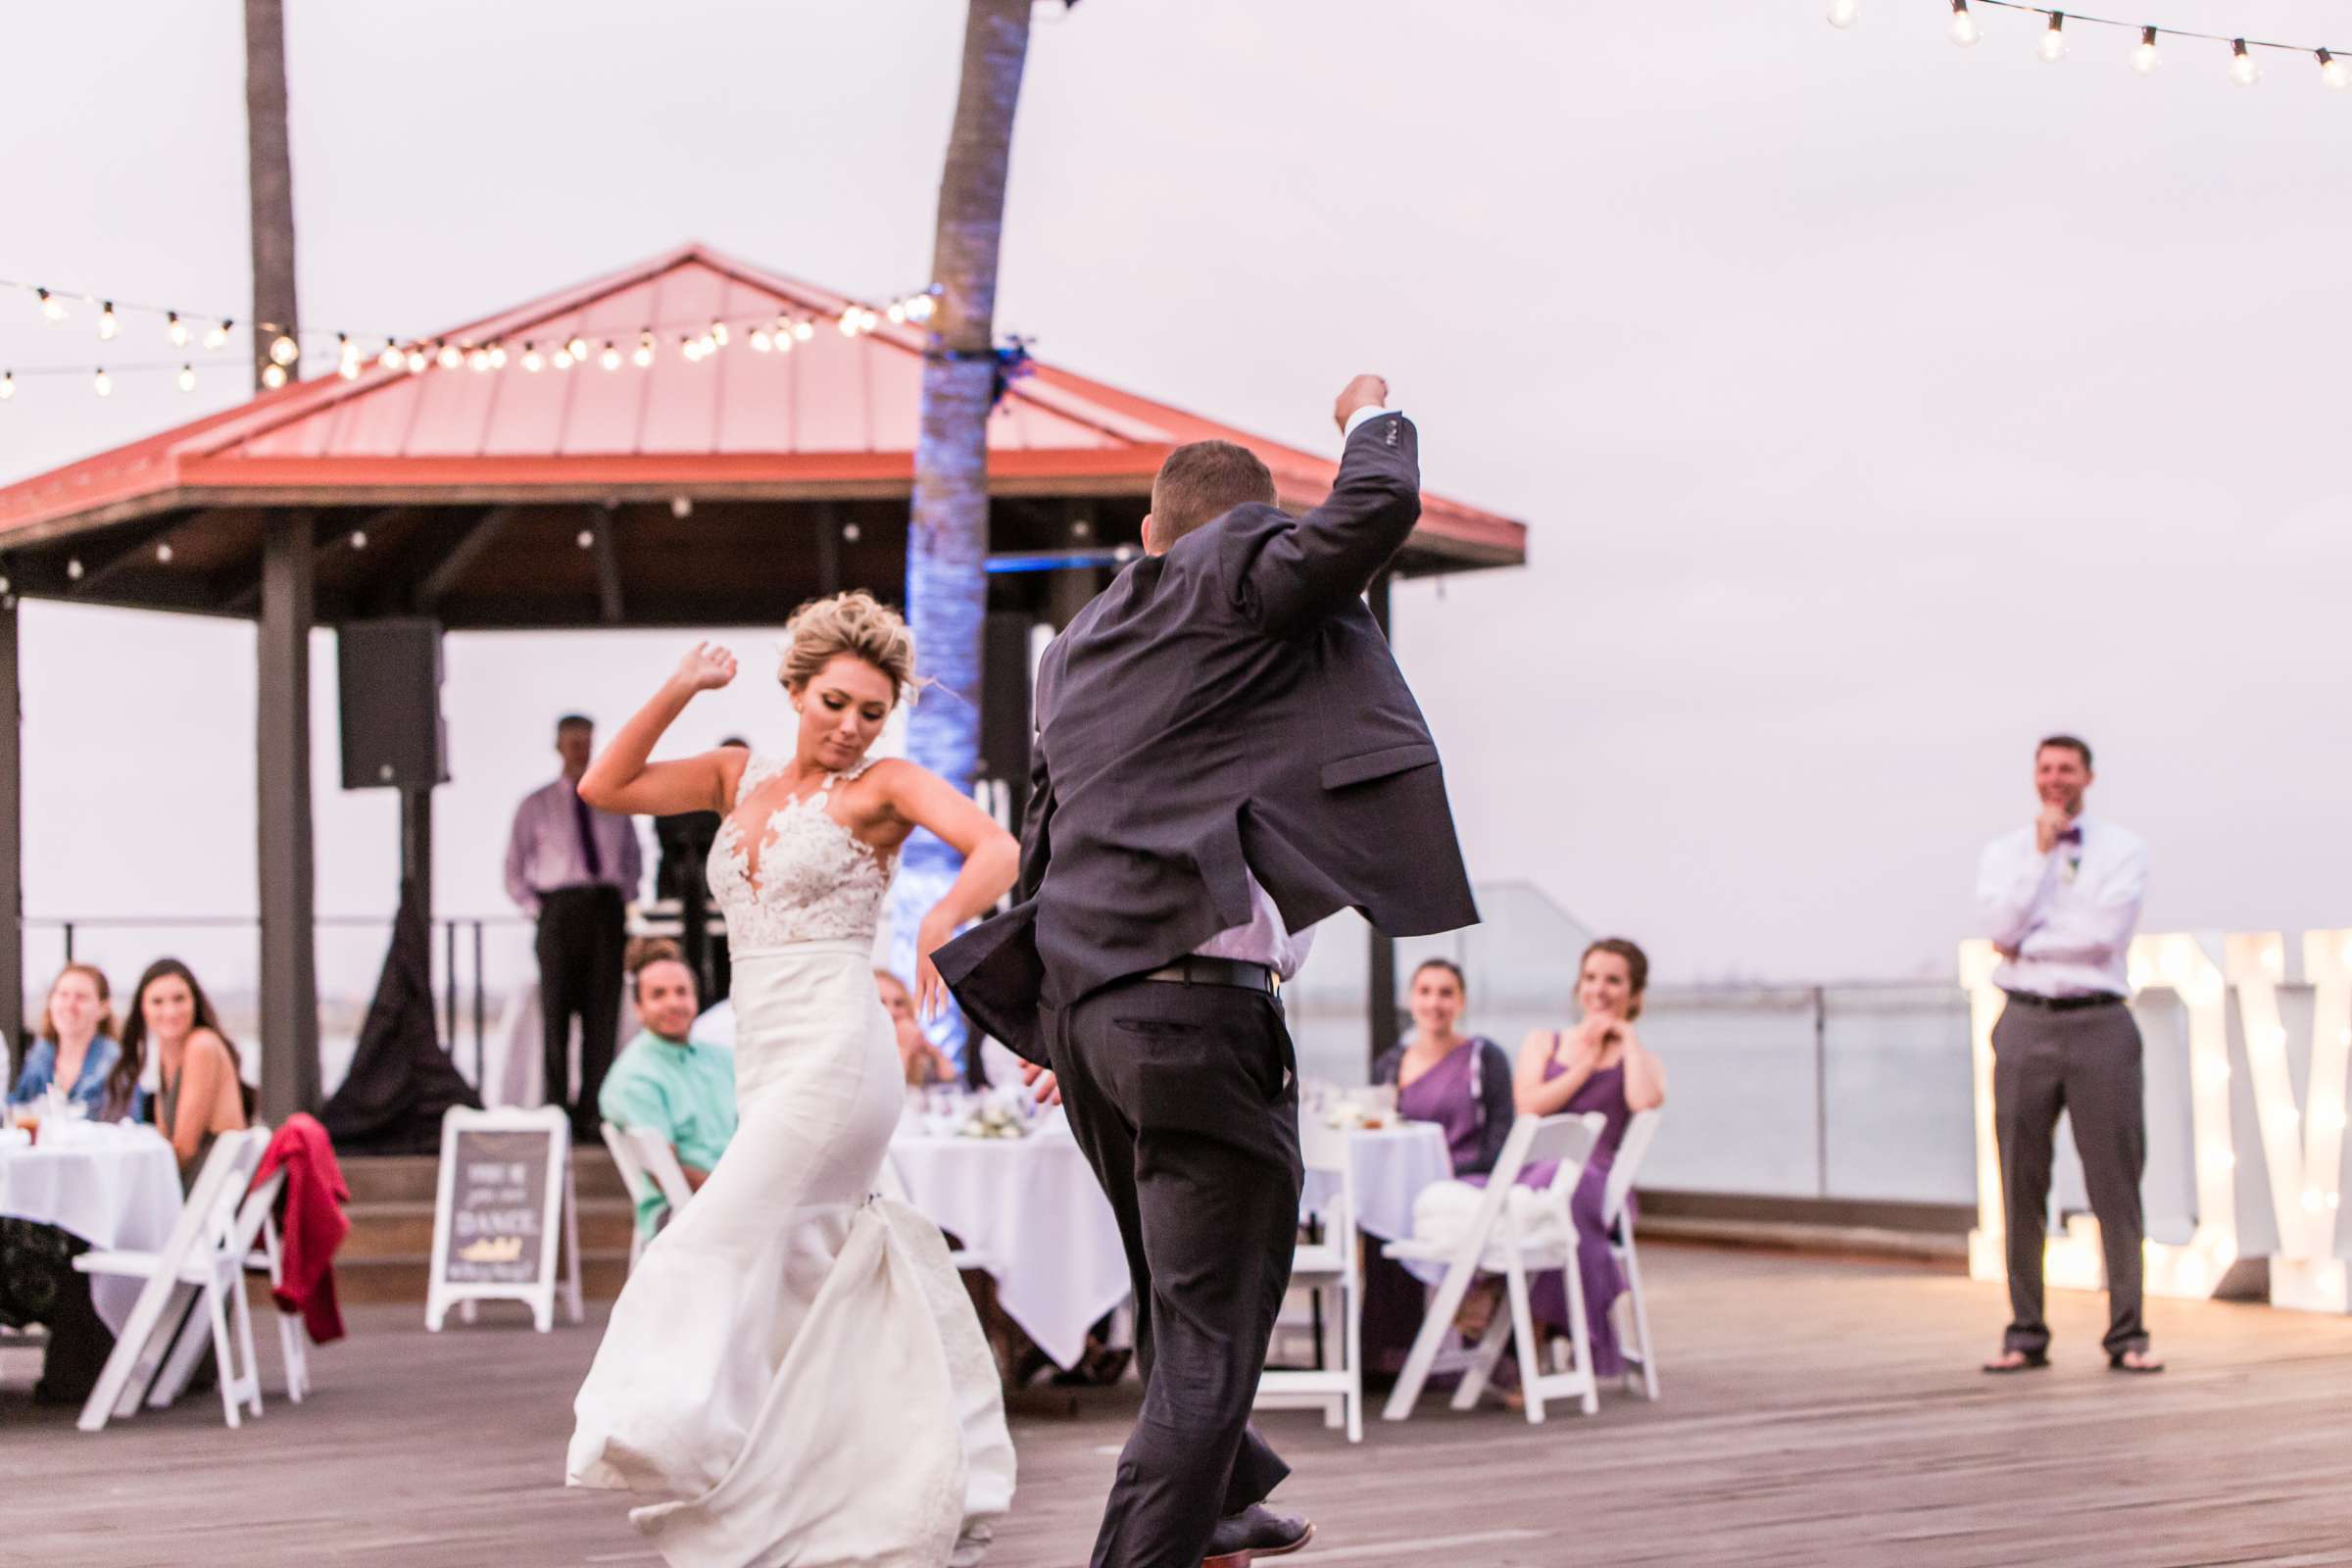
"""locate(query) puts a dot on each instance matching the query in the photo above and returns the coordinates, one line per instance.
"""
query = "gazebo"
(689, 441)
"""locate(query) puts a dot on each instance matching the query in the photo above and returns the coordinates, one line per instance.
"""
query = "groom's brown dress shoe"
(1257, 1530)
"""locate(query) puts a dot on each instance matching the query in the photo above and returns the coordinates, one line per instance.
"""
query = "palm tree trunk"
(269, 175)
(947, 543)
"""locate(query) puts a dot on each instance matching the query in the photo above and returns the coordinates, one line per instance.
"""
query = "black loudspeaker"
(389, 672)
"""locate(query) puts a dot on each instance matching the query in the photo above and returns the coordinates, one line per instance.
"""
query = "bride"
(793, 1365)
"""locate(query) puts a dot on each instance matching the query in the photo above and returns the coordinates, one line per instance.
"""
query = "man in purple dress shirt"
(573, 870)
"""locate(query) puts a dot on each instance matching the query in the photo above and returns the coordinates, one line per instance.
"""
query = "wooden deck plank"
(1816, 1411)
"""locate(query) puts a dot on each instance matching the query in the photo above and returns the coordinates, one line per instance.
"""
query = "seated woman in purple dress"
(1463, 1084)
(1601, 1065)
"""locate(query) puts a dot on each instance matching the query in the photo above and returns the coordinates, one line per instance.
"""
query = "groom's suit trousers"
(1184, 1100)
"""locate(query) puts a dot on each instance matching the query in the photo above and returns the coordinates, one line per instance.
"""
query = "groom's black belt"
(1197, 971)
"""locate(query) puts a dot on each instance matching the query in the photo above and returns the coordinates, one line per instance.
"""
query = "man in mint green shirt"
(667, 1083)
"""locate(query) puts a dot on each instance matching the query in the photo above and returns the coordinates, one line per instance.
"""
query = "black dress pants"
(2086, 1062)
(1184, 1100)
(580, 940)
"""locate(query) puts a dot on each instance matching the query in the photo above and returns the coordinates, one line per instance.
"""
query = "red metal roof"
(834, 413)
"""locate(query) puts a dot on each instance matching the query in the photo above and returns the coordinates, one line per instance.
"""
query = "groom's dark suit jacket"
(1227, 707)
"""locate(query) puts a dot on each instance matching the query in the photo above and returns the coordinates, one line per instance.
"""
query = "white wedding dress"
(793, 1366)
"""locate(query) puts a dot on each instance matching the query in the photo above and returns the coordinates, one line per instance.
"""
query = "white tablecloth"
(113, 1186)
(1033, 1211)
(1392, 1166)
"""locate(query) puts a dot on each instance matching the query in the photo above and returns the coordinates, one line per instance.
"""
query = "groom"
(1225, 754)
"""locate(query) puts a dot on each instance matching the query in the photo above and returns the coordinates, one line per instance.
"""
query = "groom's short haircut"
(1202, 480)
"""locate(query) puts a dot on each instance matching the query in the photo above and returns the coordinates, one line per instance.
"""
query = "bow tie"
(2073, 835)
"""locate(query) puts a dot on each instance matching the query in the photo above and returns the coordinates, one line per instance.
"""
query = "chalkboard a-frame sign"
(504, 1214)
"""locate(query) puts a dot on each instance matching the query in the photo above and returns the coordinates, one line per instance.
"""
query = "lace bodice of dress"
(815, 882)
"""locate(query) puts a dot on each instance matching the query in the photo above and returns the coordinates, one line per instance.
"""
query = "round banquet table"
(113, 1186)
(1391, 1164)
(1031, 1211)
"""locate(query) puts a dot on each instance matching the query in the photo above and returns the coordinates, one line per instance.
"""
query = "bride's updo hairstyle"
(855, 624)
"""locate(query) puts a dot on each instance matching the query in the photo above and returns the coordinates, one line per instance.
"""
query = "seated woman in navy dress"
(1460, 1082)
(1600, 1064)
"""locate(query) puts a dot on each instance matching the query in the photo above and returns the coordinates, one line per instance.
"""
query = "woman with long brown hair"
(199, 1091)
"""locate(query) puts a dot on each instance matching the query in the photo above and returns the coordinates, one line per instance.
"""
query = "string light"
(477, 360)
(187, 378)
(53, 309)
(415, 362)
(611, 358)
(563, 359)
(761, 342)
(2244, 69)
(283, 350)
(532, 360)
(175, 329)
(449, 355)
(1966, 28)
(391, 359)
(7, 389)
(107, 327)
(216, 337)
(717, 335)
(101, 383)
(645, 350)
(578, 347)
(273, 375)
(2053, 38)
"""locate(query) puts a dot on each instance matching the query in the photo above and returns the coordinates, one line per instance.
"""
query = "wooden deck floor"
(1816, 1411)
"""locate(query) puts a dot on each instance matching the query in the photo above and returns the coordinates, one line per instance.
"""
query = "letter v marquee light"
(2302, 1152)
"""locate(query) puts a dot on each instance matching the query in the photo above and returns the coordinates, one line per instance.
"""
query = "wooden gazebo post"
(288, 877)
(12, 830)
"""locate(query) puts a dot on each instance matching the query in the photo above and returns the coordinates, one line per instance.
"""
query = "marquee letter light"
(2188, 967)
(2302, 1147)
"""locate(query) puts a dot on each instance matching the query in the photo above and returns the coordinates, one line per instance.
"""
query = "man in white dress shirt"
(573, 870)
(2060, 900)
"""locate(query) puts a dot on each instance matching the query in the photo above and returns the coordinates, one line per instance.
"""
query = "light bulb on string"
(2244, 69)
(867, 320)
(107, 327)
(897, 313)
(103, 384)
(415, 362)
(8, 386)
(803, 329)
(645, 350)
(175, 329)
(346, 355)
(391, 359)
(1963, 31)
(216, 337)
(2144, 58)
(689, 350)
(717, 335)
(1844, 12)
(477, 359)
(53, 309)
(187, 378)
(761, 342)
(532, 360)
(448, 357)
(498, 356)
(273, 376)
(563, 360)
(2333, 71)
(577, 346)
(706, 345)
(851, 321)
(283, 350)
(922, 306)
(611, 358)
(2053, 38)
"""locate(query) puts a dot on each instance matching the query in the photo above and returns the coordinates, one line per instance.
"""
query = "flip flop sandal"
(2116, 1364)
(2034, 1361)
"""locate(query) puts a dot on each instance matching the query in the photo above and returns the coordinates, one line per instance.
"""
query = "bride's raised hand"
(706, 668)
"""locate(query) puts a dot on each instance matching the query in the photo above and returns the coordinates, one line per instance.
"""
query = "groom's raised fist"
(1364, 392)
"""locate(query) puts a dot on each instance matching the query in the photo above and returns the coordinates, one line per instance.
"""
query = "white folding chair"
(196, 1259)
(1329, 1268)
(1496, 1243)
(251, 1239)
(647, 1165)
(1617, 1223)
(891, 1183)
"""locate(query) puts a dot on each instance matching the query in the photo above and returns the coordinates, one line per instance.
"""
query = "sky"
(1874, 406)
